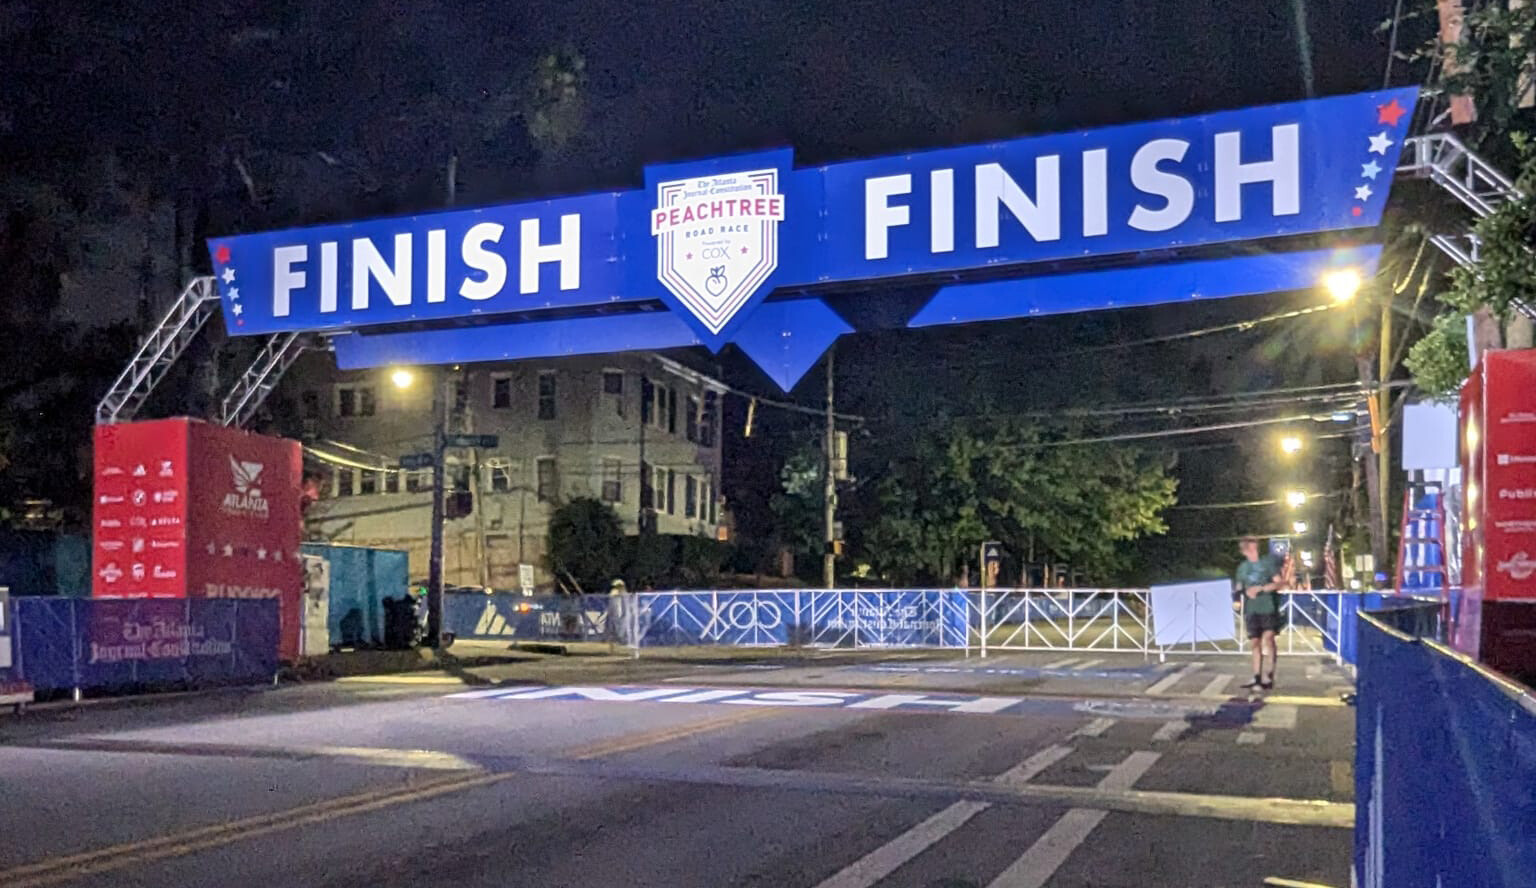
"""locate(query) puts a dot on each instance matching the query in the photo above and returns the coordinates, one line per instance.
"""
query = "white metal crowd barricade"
(1088, 620)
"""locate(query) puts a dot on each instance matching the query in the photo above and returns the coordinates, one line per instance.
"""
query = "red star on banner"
(1355, 211)
(1390, 113)
(743, 251)
(221, 254)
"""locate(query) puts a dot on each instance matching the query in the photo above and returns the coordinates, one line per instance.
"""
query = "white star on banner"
(229, 275)
(237, 309)
(228, 550)
(234, 292)
(1379, 143)
(261, 554)
(1369, 170)
(1363, 192)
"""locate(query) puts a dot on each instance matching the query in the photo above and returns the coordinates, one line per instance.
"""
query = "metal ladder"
(1421, 544)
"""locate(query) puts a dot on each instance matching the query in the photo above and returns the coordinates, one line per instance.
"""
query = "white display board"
(1429, 436)
(1188, 613)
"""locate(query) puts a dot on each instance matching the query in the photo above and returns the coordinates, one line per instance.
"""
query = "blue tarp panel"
(361, 579)
(1445, 767)
(63, 643)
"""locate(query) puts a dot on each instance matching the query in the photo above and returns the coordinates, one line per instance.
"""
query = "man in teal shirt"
(1256, 585)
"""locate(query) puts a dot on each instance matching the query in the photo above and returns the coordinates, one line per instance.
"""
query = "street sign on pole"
(415, 461)
(473, 441)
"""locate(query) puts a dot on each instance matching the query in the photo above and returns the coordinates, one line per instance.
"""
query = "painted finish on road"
(796, 698)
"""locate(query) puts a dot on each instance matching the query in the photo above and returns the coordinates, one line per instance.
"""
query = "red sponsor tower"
(184, 508)
(1497, 617)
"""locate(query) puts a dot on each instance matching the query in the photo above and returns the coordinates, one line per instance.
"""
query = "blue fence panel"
(361, 578)
(513, 617)
(1445, 766)
(85, 643)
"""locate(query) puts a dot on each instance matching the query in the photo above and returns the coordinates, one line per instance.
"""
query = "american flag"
(1331, 561)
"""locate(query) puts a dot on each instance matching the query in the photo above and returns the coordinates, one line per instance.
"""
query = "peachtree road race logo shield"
(246, 499)
(717, 240)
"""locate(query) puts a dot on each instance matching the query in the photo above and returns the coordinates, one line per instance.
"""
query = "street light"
(402, 378)
(1290, 444)
(1295, 498)
(1342, 284)
(1299, 527)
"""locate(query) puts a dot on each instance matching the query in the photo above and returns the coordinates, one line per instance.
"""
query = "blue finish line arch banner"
(711, 240)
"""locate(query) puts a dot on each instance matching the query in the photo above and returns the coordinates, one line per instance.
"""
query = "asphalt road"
(862, 774)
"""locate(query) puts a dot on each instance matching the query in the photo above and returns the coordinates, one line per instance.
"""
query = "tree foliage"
(1075, 503)
(1438, 361)
(585, 544)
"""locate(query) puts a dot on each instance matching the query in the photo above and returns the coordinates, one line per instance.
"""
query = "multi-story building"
(638, 431)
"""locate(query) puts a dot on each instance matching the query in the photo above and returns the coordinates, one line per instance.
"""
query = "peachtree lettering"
(1166, 187)
(390, 269)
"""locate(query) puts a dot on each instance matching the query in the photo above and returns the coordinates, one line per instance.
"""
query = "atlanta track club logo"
(717, 239)
(246, 499)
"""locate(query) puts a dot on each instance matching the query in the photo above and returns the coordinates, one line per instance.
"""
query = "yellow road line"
(53, 871)
(631, 742)
(1278, 882)
(1331, 702)
(401, 678)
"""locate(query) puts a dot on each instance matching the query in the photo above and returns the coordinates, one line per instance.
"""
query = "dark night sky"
(107, 105)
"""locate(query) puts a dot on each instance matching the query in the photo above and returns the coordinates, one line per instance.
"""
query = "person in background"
(1256, 591)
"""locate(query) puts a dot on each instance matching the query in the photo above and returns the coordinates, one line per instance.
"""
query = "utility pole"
(640, 417)
(439, 470)
(829, 488)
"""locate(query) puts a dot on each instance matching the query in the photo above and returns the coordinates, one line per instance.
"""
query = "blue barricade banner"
(850, 618)
(528, 617)
(96, 643)
(1445, 769)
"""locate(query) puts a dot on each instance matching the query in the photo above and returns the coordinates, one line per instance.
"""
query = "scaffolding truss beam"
(158, 352)
(250, 391)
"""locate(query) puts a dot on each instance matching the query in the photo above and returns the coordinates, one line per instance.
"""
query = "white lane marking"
(1031, 767)
(1165, 667)
(1162, 685)
(1276, 717)
(1170, 731)
(1061, 664)
(1088, 664)
(1036, 866)
(886, 859)
(1095, 728)
(1250, 738)
(1217, 687)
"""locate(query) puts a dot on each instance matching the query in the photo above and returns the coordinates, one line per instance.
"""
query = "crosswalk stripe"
(1250, 738)
(1062, 664)
(1217, 686)
(1036, 865)
(1031, 767)
(886, 859)
(1170, 731)
(1276, 717)
(1162, 685)
(1095, 728)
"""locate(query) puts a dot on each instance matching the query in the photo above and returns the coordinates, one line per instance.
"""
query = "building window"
(501, 475)
(311, 401)
(661, 405)
(690, 497)
(547, 395)
(346, 482)
(646, 410)
(658, 488)
(392, 481)
(613, 382)
(460, 394)
(368, 483)
(613, 484)
(671, 491)
(713, 501)
(710, 420)
(691, 421)
(501, 392)
(355, 400)
(672, 410)
(546, 480)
